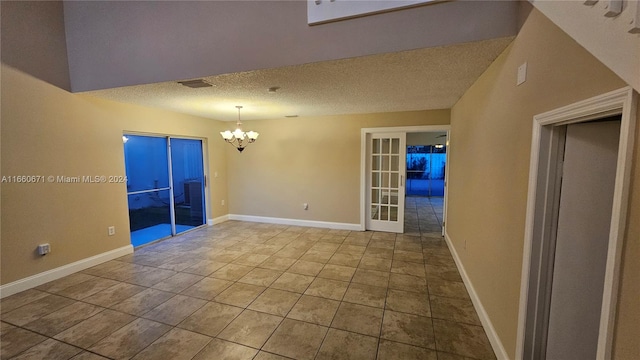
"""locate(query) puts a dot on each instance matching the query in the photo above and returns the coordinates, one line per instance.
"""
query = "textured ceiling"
(433, 78)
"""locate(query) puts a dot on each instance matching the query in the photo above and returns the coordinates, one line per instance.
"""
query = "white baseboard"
(218, 220)
(297, 222)
(494, 339)
(62, 271)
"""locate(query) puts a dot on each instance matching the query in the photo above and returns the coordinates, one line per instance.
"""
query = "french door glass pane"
(395, 146)
(385, 163)
(385, 179)
(375, 212)
(375, 196)
(393, 214)
(394, 197)
(376, 146)
(188, 183)
(394, 180)
(375, 179)
(385, 146)
(375, 165)
(395, 163)
(385, 197)
(384, 213)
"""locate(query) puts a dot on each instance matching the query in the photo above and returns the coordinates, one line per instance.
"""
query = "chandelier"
(239, 138)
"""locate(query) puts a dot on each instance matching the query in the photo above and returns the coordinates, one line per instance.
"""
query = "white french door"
(386, 165)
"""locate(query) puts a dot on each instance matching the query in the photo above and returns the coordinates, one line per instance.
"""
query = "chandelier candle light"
(238, 137)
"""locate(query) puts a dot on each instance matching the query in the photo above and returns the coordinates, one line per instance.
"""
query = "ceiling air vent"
(194, 84)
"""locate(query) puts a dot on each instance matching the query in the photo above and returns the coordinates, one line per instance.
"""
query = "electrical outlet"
(44, 249)
(111, 230)
(222, 203)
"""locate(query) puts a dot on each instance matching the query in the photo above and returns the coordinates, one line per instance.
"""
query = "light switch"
(522, 74)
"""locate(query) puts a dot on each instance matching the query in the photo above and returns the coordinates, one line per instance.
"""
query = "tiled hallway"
(257, 291)
(423, 216)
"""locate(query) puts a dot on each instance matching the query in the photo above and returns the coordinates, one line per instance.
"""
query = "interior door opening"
(378, 199)
(579, 180)
(425, 190)
(426, 163)
(582, 225)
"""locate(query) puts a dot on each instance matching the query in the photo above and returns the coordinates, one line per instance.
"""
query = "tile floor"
(255, 291)
(423, 216)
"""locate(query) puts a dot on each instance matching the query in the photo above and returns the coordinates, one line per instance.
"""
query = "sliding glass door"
(188, 183)
(165, 186)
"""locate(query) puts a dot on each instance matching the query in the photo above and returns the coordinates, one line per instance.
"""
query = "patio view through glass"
(425, 170)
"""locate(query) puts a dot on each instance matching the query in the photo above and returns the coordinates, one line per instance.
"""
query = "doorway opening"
(426, 169)
(165, 186)
(426, 163)
(564, 290)
(388, 188)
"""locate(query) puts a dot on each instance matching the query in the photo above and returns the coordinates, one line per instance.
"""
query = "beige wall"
(607, 38)
(48, 131)
(308, 160)
(489, 165)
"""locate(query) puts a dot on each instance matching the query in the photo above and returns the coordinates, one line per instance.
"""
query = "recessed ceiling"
(432, 78)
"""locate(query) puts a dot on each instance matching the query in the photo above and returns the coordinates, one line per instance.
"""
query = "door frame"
(543, 194)
(365, 133)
